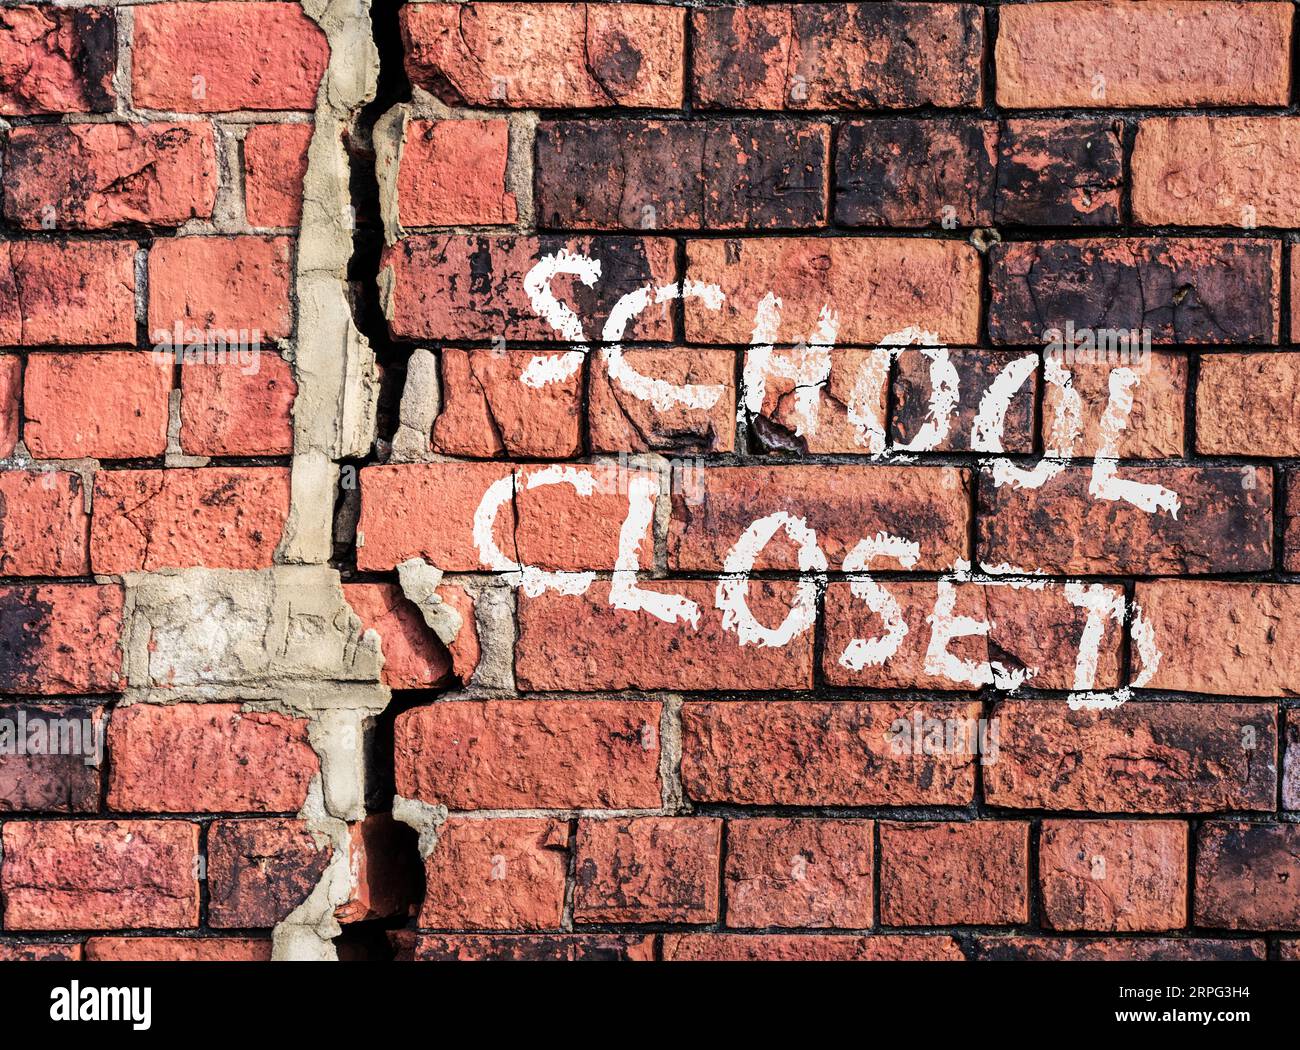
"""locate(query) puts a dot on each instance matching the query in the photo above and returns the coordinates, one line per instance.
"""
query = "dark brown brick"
(1246, 876)
(1060, 172)
(651, 175)
(907, 172)
(976, 371)
(260, 870)
(1184, 291)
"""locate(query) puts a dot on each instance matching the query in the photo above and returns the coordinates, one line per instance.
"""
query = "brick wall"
(770, 481)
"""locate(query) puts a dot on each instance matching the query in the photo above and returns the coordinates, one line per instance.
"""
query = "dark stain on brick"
(24, 619)
(1060, 172)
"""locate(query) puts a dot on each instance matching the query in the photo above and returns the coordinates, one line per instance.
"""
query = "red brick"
(1182, 291)
(788, 947)
(43, 523)
(1246, 876)
(39, 951)
(413, 656)
(1138, 758)
(799, 753)
(648, 869)
(841, 504)
(384, 875)
(429, 297)
(1246, 404)
(576, 947)
(100, 874)
(219, 517)
(57, 60)
(648, 175)
(496, 875)
(879, 183)
(531, 55)
(1229, 639)
(977, 370)
(488, 412)
(839, 56)
(59, 639)
(426, 510)
(1154, 427)
(224, 44)
(558, 524)
(11, 382)
(256, 762)
(74, 293)
(530, 754)
(178, 949)
(915, 282)
(275, 163)
(1147, 54)
(1060, 172)
(1288, 951)
(109, 405)
(1224, 523)
(1291, 761)
(799, 873)
(453, 173)
(93, 176)
(1036, 629)
(581, 643)
(50, 760)
(1114, 949)
(622, 417)
(973, 874)
(227, 284)
(260, 870)
(1113, 875)
(1216, 171)
(1291, 556)
(839, 421)
(237, 409)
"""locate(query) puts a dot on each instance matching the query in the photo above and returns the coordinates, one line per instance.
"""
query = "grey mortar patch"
(420, 581)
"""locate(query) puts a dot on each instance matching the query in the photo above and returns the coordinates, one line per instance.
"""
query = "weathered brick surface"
(1246, 404)
(249, 761)
(453, 173)
(915, 282)
(543, 55)
(799, 873)
(1060, 172)
(496, 874)
(795, 753)
(648, 869)
(1230, 639)
(1183, 291)
(1140, 758)
(275, 161)
(505, 754)
(60, 639)
(834, 582)
(429, 296)
(43, 515)
(779, 947)
(227, 65)
(1245, 876)
(260, 870)
(109, 405)
(71, 294)
(56, 60)
(839, 56)
(99, 874)
(1114, 875)
(878, 182)
(93, 176)
(729, 175)
(58, 767)
(1125, 54)
(1224, 523)
(220, 517)
(958, 874)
